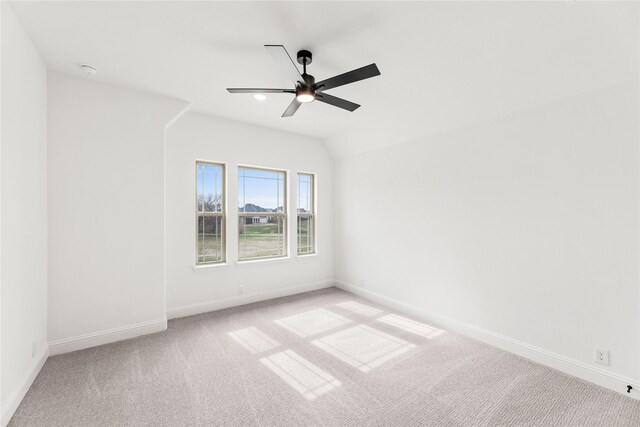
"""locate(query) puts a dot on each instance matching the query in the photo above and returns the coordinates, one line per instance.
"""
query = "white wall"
(197, 136)
(526, 225)
(106, 218)
(24, 211)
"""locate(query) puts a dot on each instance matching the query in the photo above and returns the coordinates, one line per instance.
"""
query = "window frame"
(284, 214)
(313, 213)
(222, 214)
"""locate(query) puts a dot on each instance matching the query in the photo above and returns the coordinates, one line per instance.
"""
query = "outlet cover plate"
(601, 356)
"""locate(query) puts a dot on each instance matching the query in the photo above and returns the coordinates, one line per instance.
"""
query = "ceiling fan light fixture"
(305, 95)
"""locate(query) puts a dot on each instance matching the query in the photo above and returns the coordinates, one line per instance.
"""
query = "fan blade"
(336, 102)
(250, 90)
(365, 72)
(279, 53)
(292, 108)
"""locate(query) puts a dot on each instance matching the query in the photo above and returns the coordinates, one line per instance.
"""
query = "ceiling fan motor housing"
(309, 79)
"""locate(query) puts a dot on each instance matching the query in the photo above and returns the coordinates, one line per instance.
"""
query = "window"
(210, 217)
(306, 211)
(262, 213)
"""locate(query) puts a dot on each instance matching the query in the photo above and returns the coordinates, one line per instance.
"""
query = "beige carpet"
(326, 358)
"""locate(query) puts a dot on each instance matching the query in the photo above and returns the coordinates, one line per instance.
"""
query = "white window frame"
(222, 214)
(283, 214)
(312, 214)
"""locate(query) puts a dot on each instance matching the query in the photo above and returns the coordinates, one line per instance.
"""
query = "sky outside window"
(262, 188)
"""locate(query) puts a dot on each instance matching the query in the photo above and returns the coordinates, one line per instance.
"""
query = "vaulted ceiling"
(443, 64)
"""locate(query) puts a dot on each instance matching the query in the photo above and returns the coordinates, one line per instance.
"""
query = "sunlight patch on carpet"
(411, 326)
(254, 340)
(363, 347)
(302, 375)
(312, 322)
(356, 307)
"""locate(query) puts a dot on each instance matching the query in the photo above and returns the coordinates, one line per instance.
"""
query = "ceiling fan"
(306, 89)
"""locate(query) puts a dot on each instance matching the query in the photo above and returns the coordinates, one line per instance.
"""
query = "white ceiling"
(443, 64)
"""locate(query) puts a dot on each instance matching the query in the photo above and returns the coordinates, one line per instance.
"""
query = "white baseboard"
(565, 364)
(81, 342)
(23, 387)
(204, 307)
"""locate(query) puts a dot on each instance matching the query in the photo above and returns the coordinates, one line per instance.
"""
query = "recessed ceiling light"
(89, 69)
(260, 97)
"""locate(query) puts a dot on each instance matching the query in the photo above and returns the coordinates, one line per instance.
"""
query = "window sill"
(262, 261)
(306, 256)
(198, 267)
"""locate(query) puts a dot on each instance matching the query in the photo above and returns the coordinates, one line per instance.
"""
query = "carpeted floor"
(325, 358)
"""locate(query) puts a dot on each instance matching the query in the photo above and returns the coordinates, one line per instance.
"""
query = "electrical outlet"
(241, 289)
(362, 283)
(601, 356)
(34, 349)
